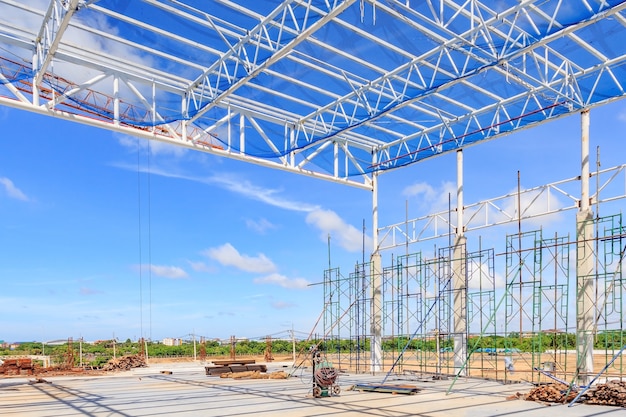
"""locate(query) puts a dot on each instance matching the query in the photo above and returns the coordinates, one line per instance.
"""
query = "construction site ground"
(184, 389)
(487, 366)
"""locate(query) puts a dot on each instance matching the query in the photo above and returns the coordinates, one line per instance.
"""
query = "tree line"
(96, 354)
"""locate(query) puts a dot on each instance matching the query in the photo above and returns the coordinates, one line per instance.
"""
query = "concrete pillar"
(376, 281)
(459, 282)
(585, 261)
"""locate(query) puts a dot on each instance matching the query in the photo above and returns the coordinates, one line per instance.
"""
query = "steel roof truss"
(17, 93)
(371, 86)
(55, 22)
(254, 68)
(267, 140)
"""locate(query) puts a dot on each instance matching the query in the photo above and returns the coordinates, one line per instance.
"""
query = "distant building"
(169, 341)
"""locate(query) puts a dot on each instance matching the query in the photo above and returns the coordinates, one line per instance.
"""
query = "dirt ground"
(481, 365)
(525, 366)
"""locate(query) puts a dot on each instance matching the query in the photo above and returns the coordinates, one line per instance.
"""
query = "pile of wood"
(17, 367)
(125, 363)
(551, 393)
(254, 375)
(232, 369)
(611, 393)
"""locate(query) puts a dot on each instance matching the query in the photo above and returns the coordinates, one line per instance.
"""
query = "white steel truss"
(523, 205)
(337, 89)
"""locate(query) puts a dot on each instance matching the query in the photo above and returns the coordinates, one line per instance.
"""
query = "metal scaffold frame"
(525, 321)
(611, 328)
(346, 317)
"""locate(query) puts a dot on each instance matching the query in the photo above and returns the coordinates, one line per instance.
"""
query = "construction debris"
(125, 363)
(516, 396)
(39, 381)
(611, 393)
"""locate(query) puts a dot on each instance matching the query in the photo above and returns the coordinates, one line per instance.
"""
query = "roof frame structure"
(335, 89)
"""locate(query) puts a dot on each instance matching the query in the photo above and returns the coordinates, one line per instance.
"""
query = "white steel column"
(116, 100)
(585, 259)
(459, 282)
(376, 282)
(242, 134)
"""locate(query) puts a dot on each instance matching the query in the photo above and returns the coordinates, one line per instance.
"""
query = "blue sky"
(104, 235)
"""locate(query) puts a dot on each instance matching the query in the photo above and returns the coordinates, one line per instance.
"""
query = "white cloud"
(260, 226)
(171, 272)
(432, 199)
(236, 185)
(200, 267)
(349, 237)
(283, 281)
(479, 278)
(227, 255)
(264, 195)
(11, 190)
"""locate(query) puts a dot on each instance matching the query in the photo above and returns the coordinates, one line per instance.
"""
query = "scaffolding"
(520, 320)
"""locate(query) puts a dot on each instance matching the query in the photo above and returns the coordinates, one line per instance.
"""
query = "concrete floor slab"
(189, 392)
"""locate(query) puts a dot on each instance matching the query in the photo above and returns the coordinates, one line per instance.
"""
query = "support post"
(242, 134)
(585, 260)
(459, 284)
(376, 280)
(116, 100)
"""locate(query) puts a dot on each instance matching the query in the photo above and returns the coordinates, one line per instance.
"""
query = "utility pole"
(194, 344)
(80, 351)
(293, 343)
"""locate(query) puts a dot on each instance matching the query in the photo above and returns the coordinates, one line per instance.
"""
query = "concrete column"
(376, 284)
(585, 261)
(459, 284)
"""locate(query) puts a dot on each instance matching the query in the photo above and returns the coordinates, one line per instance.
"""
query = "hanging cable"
(150, 239)
(139, 225)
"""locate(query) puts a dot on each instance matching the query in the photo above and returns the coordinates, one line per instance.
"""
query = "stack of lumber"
(125, 363)
(225, 369)
(611, 393)
(551, 393)
(254, 375)
(17, 367)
